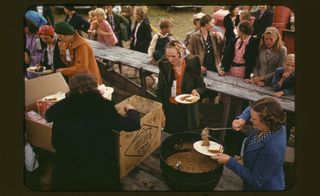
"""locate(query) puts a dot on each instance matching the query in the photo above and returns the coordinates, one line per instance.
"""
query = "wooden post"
(225, 117)
(143, 74)
(120, 67)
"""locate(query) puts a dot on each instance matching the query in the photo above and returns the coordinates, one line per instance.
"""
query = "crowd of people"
(249, 48)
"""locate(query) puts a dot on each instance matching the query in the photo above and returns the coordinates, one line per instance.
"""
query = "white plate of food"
(41, 70)
(186, 98)
(210, 150)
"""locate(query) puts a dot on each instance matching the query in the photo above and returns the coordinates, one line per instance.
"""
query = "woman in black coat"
(186, 72)
(230, 21)
(240, 56)
(141, 34)
(263, 19)
(83, 139)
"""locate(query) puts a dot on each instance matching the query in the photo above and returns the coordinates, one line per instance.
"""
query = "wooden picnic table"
(147, 176)
(228, 85)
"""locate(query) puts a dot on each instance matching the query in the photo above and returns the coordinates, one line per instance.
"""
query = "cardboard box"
(39, 134)
(135, 146)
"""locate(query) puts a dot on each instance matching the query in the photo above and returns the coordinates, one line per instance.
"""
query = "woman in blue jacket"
(263, 151)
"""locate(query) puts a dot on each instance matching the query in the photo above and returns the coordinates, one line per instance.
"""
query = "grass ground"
(180, 17)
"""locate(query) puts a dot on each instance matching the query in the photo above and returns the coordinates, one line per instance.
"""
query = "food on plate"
(189, 98)
(40, 68)
(205, 137)
(51, 99)
(215, 148)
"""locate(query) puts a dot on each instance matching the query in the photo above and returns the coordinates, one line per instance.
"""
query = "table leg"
(120, 67)
(226, 113)
(143, 75)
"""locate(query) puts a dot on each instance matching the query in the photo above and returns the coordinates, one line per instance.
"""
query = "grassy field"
(180, 17)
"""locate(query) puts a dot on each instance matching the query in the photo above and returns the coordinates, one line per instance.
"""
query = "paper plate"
(45, 71)
(182, 98)
(204, 149)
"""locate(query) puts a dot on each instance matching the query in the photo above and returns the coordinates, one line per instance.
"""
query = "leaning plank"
(142, 181)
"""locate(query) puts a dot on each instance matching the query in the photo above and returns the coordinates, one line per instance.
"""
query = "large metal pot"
(184, 181)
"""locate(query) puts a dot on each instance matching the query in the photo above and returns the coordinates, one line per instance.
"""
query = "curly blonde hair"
(270, 113)
(100, 12)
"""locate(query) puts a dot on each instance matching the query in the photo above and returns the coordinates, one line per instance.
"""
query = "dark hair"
(233, 7)
(31, 26)
(196, 20)
(246, 14)
(271, 113)
(70, 7)
(245, 27)
(83, 83)
(165, 24)
(205, 20)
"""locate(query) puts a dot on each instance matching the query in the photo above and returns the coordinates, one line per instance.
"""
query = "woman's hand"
(221, 158)
(249, 81)
(63, 47)
(203, 70)
(128, 107)
(221, 73)
(59, 70)
(194, 92)
(286, 74)
(238, 124)
(261, 83)
(257, 79)
(278, 94)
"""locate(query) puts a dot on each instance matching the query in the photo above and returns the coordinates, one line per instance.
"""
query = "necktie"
(111, 21)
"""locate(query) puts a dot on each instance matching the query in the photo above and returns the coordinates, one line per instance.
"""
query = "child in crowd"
(284, 78)
(160, 40)
(104, 30)
(158, 44)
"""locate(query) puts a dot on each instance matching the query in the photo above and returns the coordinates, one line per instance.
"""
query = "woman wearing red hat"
(51, 51)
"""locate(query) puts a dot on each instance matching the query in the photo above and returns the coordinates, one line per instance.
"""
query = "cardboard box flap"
(42, 86)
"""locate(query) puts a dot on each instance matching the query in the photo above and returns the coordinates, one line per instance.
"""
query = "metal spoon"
(219, 129)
